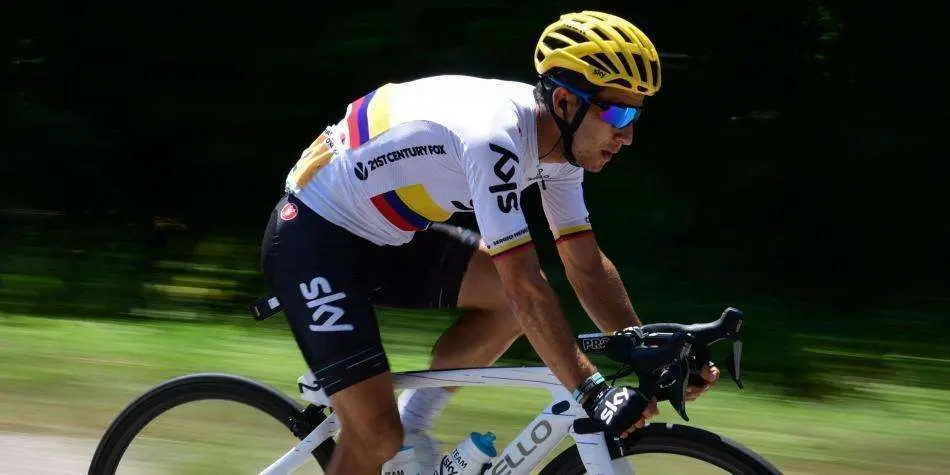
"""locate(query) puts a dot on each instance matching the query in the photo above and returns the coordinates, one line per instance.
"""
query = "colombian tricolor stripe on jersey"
(368, 116)
(572, 232)
(409, 208)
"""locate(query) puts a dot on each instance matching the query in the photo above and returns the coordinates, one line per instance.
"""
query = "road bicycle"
(664, 356)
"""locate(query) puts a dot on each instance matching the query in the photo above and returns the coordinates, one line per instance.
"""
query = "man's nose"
(626, 134)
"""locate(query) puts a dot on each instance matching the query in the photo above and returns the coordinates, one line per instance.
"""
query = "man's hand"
(648, 413)
(710, 375)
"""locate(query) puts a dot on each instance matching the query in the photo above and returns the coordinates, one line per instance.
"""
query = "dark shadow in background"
(790, 161)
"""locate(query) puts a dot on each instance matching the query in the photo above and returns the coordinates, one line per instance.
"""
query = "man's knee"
(389, 442)
(377, 444)
(369, 419)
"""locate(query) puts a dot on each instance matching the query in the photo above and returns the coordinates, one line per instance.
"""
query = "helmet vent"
(626, 65)
(641, 68)
(655, 69)
(555, 43)
(602, 59)
(621, 82)
(623, 35)
(575, 36)
(601, 33)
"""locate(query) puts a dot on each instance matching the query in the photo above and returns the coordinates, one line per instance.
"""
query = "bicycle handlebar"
(664, 355)
(727, 326)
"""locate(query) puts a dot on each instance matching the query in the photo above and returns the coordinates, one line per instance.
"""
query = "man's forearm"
(549, 333)
(603, 296)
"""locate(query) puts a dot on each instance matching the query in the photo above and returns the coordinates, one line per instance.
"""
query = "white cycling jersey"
(412, 153)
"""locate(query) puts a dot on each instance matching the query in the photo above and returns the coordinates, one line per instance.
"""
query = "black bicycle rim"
(197, 387)
(674, 439)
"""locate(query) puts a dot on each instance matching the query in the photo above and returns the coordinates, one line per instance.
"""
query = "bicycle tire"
(197, 387)
(674, 439)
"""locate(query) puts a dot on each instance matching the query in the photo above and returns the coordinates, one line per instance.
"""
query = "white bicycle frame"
(520, 456)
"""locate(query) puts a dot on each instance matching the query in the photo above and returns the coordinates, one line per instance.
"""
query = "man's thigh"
(308, 263)
(427, 272)
(481, 286)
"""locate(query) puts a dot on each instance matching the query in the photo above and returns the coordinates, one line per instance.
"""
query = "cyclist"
(344, 237)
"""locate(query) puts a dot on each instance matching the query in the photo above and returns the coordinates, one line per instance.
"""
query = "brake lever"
(675, 390)
(733, 362)
(667, 382)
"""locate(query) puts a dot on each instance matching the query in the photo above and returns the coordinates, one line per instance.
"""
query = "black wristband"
(587, 386)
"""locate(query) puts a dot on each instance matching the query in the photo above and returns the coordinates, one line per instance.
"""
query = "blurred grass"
(71, 377)
(803, 340)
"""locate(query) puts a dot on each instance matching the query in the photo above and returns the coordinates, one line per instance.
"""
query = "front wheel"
(686, 450)
(204, 387)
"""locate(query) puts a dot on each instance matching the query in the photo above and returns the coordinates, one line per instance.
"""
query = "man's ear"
(560, 101)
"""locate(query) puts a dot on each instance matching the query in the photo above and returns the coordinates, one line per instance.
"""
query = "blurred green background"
(789, 167)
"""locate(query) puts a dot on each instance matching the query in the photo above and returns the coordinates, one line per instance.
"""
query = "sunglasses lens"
(620, 117)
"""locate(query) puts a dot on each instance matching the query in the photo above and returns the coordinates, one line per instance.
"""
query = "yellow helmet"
(606, 49)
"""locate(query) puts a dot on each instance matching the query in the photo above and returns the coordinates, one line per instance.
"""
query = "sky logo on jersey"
(507, 191)
(409, 208)
(368, 116)
(462, 206)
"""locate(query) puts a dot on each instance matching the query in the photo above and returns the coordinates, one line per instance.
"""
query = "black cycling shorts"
(328, 279)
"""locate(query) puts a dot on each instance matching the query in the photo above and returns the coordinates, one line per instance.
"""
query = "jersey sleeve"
(495, 177)
(562, 198)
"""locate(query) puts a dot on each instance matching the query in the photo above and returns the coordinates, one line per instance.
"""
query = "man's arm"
(596, 282)
(537, 309)
(601, 292)
(492, 167)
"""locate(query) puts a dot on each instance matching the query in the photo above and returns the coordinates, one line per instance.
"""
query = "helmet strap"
(567, 131)
(567, 128)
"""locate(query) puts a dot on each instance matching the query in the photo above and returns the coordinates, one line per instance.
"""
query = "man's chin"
(595, 167)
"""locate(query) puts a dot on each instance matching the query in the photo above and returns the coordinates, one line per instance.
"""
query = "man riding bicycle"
(345, 235)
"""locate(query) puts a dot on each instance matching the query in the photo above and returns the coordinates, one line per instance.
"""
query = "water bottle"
(469, 457)
(404, 463)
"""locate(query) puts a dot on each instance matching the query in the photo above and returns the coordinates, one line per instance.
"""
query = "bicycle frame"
(520, 456)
